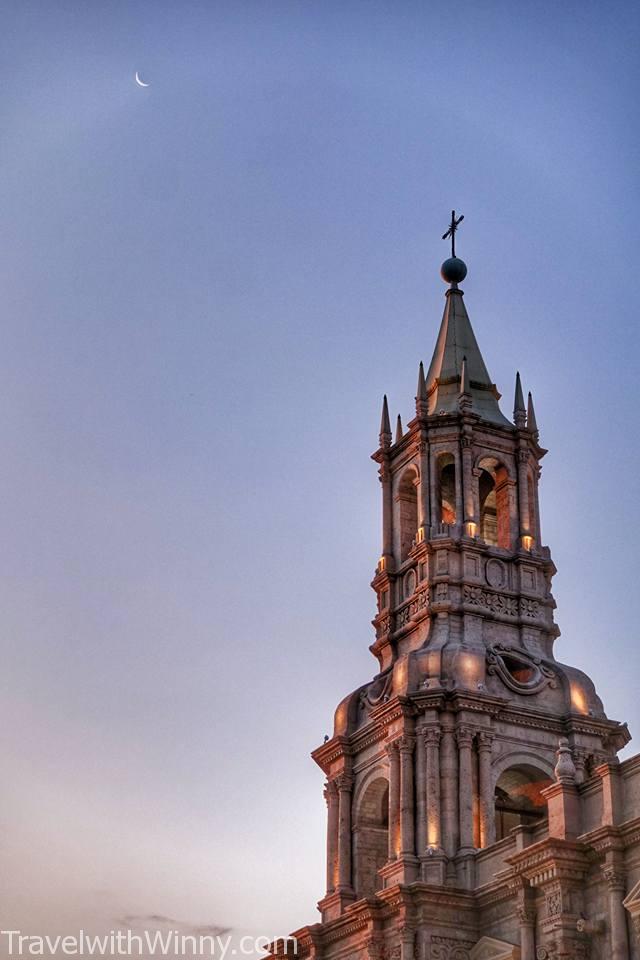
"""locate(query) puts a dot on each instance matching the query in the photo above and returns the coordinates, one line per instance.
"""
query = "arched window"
(493, 490)
(407, 511)
(371, 837)
(447, 489)
(519, 799)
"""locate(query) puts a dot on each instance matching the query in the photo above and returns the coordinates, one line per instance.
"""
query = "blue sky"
(206, 286)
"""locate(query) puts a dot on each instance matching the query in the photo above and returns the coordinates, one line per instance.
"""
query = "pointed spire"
(385, 425)
(456, 340)
(399, 433)
(532, 424)
(422, 404)
(519, 410)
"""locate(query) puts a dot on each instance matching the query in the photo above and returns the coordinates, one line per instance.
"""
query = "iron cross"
(451, 232)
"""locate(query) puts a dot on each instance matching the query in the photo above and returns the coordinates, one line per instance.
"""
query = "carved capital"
(615, 876)
(464, 736)
(391, 749)
(344, 782)
(485, 741)
(406, 744)
(384, 473)
(330, 792)
(432, 736)
(375, 948)
(526, 915)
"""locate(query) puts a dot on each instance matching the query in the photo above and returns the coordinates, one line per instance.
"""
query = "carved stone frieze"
(411, 610)
(488, 600)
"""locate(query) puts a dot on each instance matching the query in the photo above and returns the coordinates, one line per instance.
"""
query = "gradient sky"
(206, 286)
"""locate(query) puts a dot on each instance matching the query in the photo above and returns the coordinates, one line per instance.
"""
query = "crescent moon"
(139, 81)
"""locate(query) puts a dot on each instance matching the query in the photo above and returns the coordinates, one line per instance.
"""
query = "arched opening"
(371, 837)
(407, 511)
(447, 489)
(518, 798)
(493, 491)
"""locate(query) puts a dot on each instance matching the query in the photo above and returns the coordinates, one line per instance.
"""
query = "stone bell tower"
(475, 800)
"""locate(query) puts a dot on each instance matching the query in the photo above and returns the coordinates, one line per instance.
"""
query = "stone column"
(331, 796)
(487, 804)
(421, 792)
(467, 480)
(344, 784)
(433, 489)
(527, 923)
(475, 493)
(407, 942)
(423, 490)
(464, 737)
(449, 787)
(394, 797)
(407, 840)
(617, 914)
(432, 745)
(387, 509)
(459, 507)
(523, 493)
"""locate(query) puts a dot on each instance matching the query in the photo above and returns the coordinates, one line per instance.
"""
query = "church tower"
(475, 804)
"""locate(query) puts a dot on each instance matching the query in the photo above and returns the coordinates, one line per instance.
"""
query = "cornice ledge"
(466, 700)
(398, 706)
(358, 916)
(630, 766)
(330, 751)
(550, 858)
(630, 832)
(603, 839)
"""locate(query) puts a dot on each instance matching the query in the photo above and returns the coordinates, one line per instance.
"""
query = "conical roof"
(457, 341)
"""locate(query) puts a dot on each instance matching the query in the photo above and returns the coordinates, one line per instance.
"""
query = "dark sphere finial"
(453, 270)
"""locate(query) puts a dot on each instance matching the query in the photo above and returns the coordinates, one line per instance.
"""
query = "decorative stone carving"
(410, 583)
(411, 610)
(518, 669)
(432, 735)
(565, 768)
(615, 877)
(442, 592)
(384, 626)
(548, 952)
(344, 782)
(375, 949)
(377, 690)
(496, 603)
(496, 573)
(553, 902)
(406, 744)
(450, 948)
(529, 608)
(464, 736)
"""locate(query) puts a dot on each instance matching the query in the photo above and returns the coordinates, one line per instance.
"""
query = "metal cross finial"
(451, 232)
